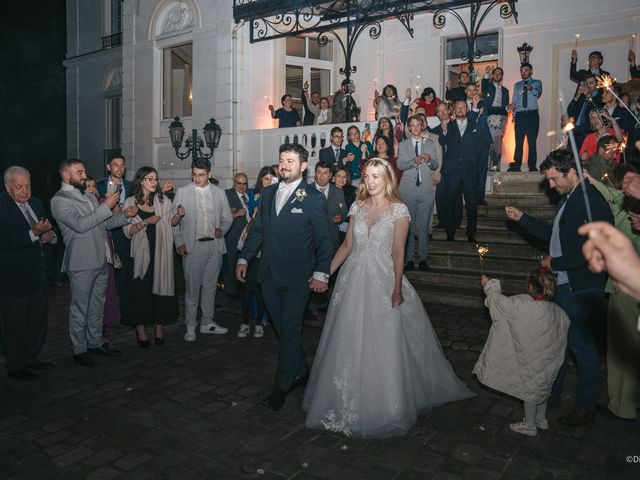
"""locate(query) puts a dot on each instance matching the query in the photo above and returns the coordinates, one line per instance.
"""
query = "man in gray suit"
(199, 238)
(239, 204)
(83, 223)
(417, 158)
(336, 205)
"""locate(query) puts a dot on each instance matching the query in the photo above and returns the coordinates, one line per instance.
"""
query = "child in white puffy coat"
(525, 347)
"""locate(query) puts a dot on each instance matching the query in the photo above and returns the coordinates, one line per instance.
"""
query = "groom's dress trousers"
(84, 224)
(293, 232)
(206, 209)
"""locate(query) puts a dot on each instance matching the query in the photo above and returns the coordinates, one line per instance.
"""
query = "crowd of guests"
(121, 237)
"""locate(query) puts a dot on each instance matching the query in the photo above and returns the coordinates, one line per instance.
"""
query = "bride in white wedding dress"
(379, 362)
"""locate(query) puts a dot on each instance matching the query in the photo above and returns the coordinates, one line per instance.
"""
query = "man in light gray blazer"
(336, 205)
(417, 158)
(83, 223)
(199, 239)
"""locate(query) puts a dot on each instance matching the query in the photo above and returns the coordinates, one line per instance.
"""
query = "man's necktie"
(337, 155)
(418, 179)
(245, 199)
(32, 221)
(281, 197)
(525, 95)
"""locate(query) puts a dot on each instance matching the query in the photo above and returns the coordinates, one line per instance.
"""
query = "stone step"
(511, 234)
(492, 262)
(496, 248)
(521, 200)
(513, 182)
(543, 212)
(468, 279)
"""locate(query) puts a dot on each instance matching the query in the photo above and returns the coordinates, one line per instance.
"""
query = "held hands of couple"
(317, 286)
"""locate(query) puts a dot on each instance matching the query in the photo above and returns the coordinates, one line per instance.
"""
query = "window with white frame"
(111, 17)
(488, 45)
(306, 60)
(177, 74)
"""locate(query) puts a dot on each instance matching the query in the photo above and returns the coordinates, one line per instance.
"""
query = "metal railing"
(112, 40)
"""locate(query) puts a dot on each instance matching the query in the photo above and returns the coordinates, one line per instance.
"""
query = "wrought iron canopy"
(270, 19)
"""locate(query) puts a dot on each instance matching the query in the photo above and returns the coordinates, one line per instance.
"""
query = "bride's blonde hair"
(391, 184)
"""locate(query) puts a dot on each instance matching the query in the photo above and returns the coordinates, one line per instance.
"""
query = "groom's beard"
(288, 177)
(81, 187)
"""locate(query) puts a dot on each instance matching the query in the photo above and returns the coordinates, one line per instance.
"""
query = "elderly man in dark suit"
(239, 204)
(25, 239)
(293, 233)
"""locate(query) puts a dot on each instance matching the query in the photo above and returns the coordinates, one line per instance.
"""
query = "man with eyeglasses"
(239, 203)
(199, 240)
(334, 154)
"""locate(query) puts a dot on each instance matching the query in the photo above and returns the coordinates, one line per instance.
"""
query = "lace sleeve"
(354, 209)
(401, 211)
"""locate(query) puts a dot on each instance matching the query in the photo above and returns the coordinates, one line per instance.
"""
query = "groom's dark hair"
(302, 152)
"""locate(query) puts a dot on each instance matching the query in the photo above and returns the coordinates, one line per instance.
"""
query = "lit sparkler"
(605, 179)
(577, 35)
(605, 81)
(482, 251)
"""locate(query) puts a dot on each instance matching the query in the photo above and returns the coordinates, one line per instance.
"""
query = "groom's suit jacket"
(295, 243)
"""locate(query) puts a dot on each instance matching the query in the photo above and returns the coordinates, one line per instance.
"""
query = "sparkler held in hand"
(482, 251)
(605, 81)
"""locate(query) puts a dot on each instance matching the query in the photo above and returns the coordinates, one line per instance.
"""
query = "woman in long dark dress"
(151, 298)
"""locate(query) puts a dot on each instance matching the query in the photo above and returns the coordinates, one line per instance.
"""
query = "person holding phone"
(115, 181)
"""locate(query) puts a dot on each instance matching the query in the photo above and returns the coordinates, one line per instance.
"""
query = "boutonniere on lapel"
(301, 194)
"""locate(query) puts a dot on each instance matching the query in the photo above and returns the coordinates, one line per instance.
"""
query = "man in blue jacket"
(579, 291)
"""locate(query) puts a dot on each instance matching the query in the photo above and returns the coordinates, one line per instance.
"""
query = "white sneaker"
(258, 332)
(213, 327)
(244, 330)
(190, 336)
(521, 427)
(544, 425)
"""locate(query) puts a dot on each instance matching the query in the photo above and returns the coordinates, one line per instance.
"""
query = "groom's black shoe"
(275, 401)
(300, 381)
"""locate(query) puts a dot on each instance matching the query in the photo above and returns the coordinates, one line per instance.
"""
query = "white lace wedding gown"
(376, 367)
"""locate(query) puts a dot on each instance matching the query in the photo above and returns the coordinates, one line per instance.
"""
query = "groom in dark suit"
(293, 232)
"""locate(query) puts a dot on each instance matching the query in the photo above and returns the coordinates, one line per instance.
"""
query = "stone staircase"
(455, 275)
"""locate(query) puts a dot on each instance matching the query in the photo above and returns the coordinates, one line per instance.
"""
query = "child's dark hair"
(543, 282)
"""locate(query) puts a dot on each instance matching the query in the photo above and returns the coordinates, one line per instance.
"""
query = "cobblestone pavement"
(193, 411)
